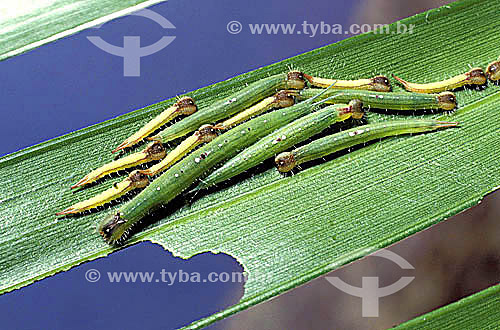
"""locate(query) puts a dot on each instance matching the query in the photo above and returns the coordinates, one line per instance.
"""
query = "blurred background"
(70, 84)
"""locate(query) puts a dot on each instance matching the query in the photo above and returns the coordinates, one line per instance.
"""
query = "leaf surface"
(284, 231)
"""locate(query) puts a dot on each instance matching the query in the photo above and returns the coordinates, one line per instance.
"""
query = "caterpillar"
(135, 180)
(154, 151)
(377, 83)
(319, 148)
(475, 76)
(394, 101)
(184, 106)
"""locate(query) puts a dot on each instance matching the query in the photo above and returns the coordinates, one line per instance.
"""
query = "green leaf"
(284, 231)
(30, 25)
(478, 311)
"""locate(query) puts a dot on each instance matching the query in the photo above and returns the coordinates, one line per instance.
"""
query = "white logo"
(234, 27)
(370, 292)
(132, 50)
(92, 275)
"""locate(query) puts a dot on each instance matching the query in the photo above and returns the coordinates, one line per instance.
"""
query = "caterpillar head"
(476, 76)
(381, 84)
(447, 100)
(156, 150)
(186, 106)
(295, 80)
(206, 133)
(113, 228)
(285, 162)
(493, 71)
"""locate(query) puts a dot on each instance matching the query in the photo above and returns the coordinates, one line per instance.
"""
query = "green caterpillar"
(319, 148)
(381, 100)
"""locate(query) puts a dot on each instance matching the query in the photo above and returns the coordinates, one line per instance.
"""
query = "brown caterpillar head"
(447, 100)
(206, 133)
(138, 179)
(295, 80)
(156, 150)
(476, 76)
(381, 84)
(493, 71)
(186, 106)
(356, 107)
(283, 99)
(111, 228)
(285, 162)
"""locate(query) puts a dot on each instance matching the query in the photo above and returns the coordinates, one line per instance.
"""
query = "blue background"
(70, 84)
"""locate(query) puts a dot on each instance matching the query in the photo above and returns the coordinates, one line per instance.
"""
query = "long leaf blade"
(30, 25)
(284, 231)
(478, 311)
